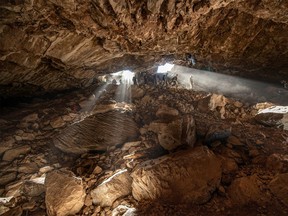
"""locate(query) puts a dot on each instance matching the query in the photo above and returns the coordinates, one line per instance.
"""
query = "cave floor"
(257, 154)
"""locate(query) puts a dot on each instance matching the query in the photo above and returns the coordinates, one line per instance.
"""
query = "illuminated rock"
(183, 177)
(65, 193)
(116, 186)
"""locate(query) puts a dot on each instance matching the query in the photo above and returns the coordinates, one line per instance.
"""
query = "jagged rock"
(65, 193)
(28, 168)
(166, 112)
(277, 162)
(124, 210)
(28, 136)
(56, 62)
(238, 104)
(174, 133)
(116, 186)
(7, 178)
(188, 176)
(229, 165)
(46, 169)
(31, 118)
(11, 154)
(97, 133)
(32, 189)
(270, 119)
(279, 187)
(57, 122)
(217, 133)
(136, 92)
(17, 211)
(246, 189)
(6, 143)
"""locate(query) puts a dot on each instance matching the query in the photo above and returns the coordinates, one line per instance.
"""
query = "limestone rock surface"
(177, 131)
(116, 186)
(65, 193)
(183, 177)
(97, 133)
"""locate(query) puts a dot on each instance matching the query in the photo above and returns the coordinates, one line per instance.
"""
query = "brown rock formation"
(56, 45)
(189, 176)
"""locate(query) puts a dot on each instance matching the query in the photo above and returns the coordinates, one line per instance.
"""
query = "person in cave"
(192, 82)
(135, 82)
(174, 80)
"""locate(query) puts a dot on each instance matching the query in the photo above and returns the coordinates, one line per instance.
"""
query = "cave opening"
(143, 107)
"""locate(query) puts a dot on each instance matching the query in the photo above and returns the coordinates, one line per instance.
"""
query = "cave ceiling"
(56, 45)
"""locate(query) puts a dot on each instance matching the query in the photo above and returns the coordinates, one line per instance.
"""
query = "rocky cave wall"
(56, 45)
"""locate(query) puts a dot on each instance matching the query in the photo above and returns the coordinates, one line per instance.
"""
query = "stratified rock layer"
(97, 133)
(189, 176)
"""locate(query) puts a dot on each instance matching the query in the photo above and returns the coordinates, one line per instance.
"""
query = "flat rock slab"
(12, 154)
(184, 177)
(97, 133)
(65, 193)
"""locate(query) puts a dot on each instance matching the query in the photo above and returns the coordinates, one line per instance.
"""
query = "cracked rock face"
(56, 45)
(189, 176)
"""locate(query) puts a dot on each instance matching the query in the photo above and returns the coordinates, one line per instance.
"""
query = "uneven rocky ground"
(175, 161)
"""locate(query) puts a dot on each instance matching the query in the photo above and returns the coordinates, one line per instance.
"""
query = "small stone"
(57, 122)
(129, 145)
(28, 136)
(28, 168)
(6, 143)
(238, 104)
(14, 189)
(18, 138)
(221, 191)
(229, 165)
(234, 141)
(88, 200)
(31, 118)
(32, 189)
(254, 153)
(17, 211)
(28, 205)
(67, 118)
(97, 209)
(97, 170)
(275, 162)
(46, 169)
(7, 178)
(3, 209)
(11, 154)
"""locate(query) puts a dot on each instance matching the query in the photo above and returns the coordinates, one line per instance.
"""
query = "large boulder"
(97, 133)
(183, 177)
(175, 132)
(279, 187)
(116, 186)
(65, 193)
(245, 189)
